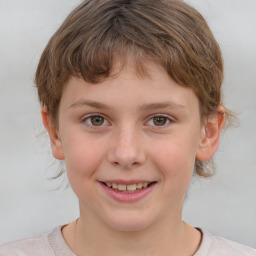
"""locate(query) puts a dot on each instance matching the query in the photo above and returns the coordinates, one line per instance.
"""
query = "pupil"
(97, 120)
(158, 121)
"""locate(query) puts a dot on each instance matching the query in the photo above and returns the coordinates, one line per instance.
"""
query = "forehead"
(126, 89)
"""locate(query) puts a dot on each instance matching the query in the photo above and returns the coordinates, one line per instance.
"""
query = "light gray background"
(225, 204)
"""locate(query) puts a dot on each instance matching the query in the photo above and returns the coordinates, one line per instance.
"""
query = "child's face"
(129, 130)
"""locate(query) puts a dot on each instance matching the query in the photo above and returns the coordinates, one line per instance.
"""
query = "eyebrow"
(160, 105)
(89, 103)
(143, 107)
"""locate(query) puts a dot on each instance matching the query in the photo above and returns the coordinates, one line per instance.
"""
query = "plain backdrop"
(29, 202)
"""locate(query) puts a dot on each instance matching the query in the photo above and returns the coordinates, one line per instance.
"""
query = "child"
(131, 99)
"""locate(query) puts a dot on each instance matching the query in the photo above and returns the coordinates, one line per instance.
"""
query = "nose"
(126, 148)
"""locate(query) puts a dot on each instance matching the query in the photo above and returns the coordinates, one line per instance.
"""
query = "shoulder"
(38, 245)
(219, 246)
(50, 244)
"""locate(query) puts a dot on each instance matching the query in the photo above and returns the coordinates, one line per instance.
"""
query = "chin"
(128, 223)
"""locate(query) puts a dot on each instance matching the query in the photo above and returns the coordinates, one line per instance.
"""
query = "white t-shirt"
(53, 244)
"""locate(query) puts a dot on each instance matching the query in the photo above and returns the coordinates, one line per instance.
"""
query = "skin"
(130, 145)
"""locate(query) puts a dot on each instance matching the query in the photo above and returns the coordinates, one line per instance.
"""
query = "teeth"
(129, 188)
(145, 185)
(139, 186)
(121, 187)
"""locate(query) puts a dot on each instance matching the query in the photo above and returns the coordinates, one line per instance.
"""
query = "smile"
(128, 192)
(131, 188)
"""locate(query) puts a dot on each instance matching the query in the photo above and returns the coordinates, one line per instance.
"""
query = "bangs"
(94, 53)
(95, 63)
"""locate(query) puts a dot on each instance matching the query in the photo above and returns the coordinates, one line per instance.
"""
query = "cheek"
(82, 161)
(82, 158)
(175, 159)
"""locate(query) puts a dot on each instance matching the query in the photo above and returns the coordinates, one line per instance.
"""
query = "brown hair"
(169, 32)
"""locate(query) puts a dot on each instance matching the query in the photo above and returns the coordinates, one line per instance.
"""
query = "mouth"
(125, 191)
(128, 188)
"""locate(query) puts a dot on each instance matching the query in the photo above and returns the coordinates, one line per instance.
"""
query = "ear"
(56, 144)
(210, 136)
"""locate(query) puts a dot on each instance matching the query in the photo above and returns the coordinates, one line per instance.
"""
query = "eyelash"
(89, 117)
(167, 118)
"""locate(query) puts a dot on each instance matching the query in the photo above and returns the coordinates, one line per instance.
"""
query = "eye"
(159, 121)
(95, 121)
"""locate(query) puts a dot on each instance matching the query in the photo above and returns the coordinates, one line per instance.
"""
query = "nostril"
(116, 163)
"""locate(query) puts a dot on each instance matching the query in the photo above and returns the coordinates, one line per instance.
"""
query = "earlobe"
(56, 144)
(210, 135)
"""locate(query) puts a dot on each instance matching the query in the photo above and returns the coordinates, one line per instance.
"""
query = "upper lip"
(127, 182)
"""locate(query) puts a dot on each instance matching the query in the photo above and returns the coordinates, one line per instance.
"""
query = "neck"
(166, 237)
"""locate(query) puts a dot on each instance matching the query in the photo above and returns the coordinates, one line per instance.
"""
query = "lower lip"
(127, 197)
